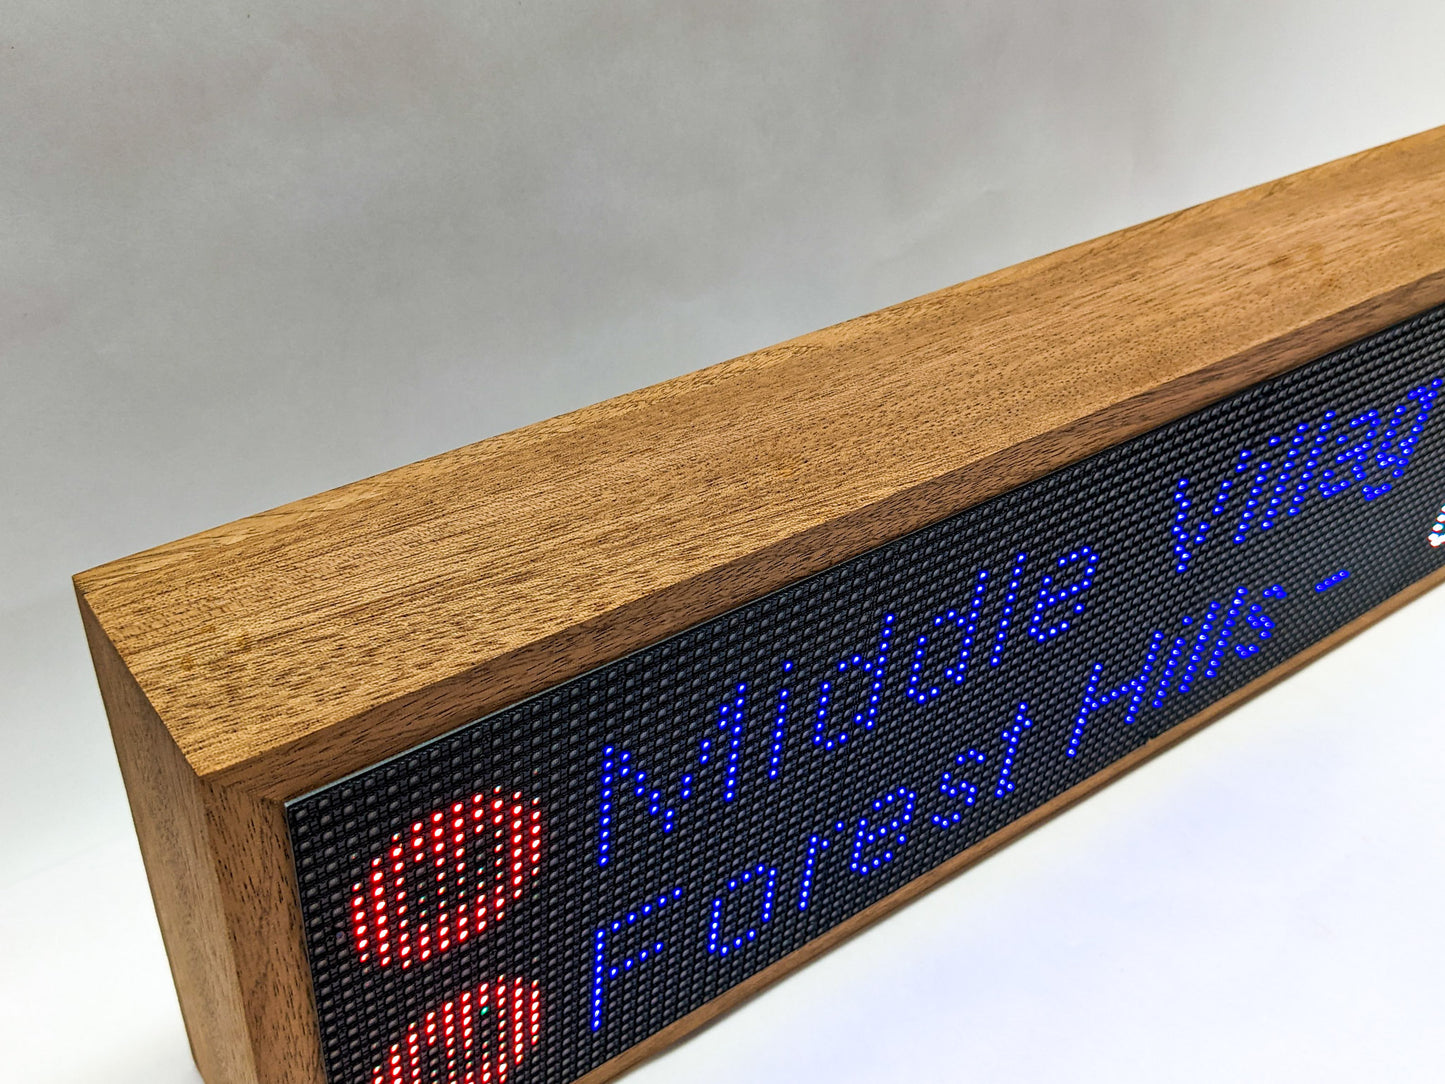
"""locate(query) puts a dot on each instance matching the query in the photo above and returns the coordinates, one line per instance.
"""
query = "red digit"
(477, 1038)
(444, 879)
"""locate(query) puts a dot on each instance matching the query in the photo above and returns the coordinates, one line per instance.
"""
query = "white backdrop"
(251, 251)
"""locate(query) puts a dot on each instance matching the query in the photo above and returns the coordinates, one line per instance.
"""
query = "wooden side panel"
(221, 877)
(169, 811)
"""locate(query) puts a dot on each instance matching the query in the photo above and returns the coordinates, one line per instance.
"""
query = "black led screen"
(547, 886)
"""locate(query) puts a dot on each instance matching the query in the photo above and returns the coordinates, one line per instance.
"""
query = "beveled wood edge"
(284, 772)
(735, 996)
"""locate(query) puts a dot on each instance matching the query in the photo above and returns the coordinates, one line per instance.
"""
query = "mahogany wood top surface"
(291, 647)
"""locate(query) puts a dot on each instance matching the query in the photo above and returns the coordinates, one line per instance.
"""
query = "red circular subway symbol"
(478, 1037)
(443, 879)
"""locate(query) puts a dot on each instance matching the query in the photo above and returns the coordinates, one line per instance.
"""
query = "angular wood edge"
(736, 996)
(220, 873)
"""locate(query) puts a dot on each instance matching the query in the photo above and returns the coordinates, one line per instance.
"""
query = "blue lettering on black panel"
(574, 873)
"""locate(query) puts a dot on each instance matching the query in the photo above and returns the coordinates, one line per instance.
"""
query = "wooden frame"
(249, 664)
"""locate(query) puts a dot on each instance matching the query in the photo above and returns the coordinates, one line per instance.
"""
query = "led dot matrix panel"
(594, 863)
(518, 763)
